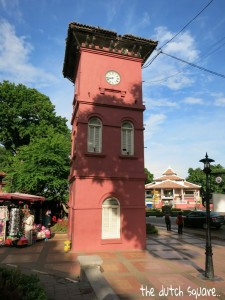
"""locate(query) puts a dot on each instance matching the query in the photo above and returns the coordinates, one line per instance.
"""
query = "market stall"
(3, 219)
(15, 209)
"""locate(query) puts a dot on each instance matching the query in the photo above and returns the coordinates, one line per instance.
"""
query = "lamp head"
(206, 161)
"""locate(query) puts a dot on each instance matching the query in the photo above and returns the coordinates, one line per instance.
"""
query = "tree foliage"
(197, 176)
(25, 113)
(35, 143)
(149, 176)
(43, 166)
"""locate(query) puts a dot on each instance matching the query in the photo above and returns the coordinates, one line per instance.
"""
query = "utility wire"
(150, 62)
(186, 25)
(194, 65)
(215, 49)
(203, 56)
(182, 60)
(161, 80)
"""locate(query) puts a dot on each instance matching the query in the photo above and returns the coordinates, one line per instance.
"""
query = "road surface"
(215, 233)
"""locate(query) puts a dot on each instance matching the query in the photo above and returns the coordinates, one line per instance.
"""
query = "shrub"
(176, 209)
(151, 229)
(60, 227)
(17, 286)
(175, 212)
(154, 212)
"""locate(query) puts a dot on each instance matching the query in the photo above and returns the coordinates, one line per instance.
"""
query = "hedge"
(17, 286)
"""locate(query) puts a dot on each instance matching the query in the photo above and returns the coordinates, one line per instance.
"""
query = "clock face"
(112, 77)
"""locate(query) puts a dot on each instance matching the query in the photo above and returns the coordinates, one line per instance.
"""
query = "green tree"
(42, 167)
(25, 113)
(149, 176)
(4, 157)
(197, 176)
(35, 143)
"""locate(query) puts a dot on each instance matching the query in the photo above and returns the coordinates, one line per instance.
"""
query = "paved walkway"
(58, 271)
(172, 267)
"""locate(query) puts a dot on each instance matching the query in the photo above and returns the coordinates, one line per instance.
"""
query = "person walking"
(180, 223)
(168, 221)
(28, 225)
(47, 218)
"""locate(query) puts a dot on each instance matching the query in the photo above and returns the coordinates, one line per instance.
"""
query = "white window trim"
(113, 231)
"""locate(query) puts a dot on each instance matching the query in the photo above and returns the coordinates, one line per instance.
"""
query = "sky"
(185, 105)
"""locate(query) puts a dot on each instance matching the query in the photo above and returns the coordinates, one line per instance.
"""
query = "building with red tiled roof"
(172, 190)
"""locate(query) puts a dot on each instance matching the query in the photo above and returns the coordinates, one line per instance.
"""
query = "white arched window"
(94, 135)
(127, 138)
(110, 219)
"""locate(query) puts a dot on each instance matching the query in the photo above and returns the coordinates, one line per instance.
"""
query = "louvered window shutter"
(127, 142)
(91, 139)
(105, 221)
(94, 135)
(97, 139)
(110, 219)
(124, 139)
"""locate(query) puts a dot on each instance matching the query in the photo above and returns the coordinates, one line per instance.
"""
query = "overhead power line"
(182, 60)
(194, 65)
(217, 48)
(187, 24)
(220, 43)
(150, 62)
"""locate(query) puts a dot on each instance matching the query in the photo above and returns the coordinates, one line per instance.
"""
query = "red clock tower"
(107, 191)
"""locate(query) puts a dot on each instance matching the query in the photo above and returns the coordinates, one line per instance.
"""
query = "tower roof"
(80, 35)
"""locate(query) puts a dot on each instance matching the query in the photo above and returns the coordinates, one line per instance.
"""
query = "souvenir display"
(23, 241)
(15, 222)
(4, 215)
(26, 219)
(14, 225)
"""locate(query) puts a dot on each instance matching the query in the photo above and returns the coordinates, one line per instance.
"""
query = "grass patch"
(60, 227)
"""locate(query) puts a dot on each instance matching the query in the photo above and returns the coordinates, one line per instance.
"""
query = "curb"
(91, 271)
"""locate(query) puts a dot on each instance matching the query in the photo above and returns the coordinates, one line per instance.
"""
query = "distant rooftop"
(169, 179)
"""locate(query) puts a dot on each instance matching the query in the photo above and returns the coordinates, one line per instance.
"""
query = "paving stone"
(168, 260)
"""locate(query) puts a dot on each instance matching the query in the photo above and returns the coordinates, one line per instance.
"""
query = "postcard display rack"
(15, 223)
(4, 216)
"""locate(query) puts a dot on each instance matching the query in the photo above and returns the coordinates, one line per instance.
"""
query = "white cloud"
(192, 100)
(145, 20)
(111, 9)
(183, 45)
(152, 103)
(166, 71)
(183, 143)
(220, 101)
(152, 124)
(3, 3)
(218, 98)
(15, 54)
(11, 8)
(133, 24)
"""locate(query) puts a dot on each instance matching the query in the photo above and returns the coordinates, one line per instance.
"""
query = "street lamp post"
(209, 270)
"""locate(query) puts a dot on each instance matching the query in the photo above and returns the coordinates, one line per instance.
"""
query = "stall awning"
(20, 196)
